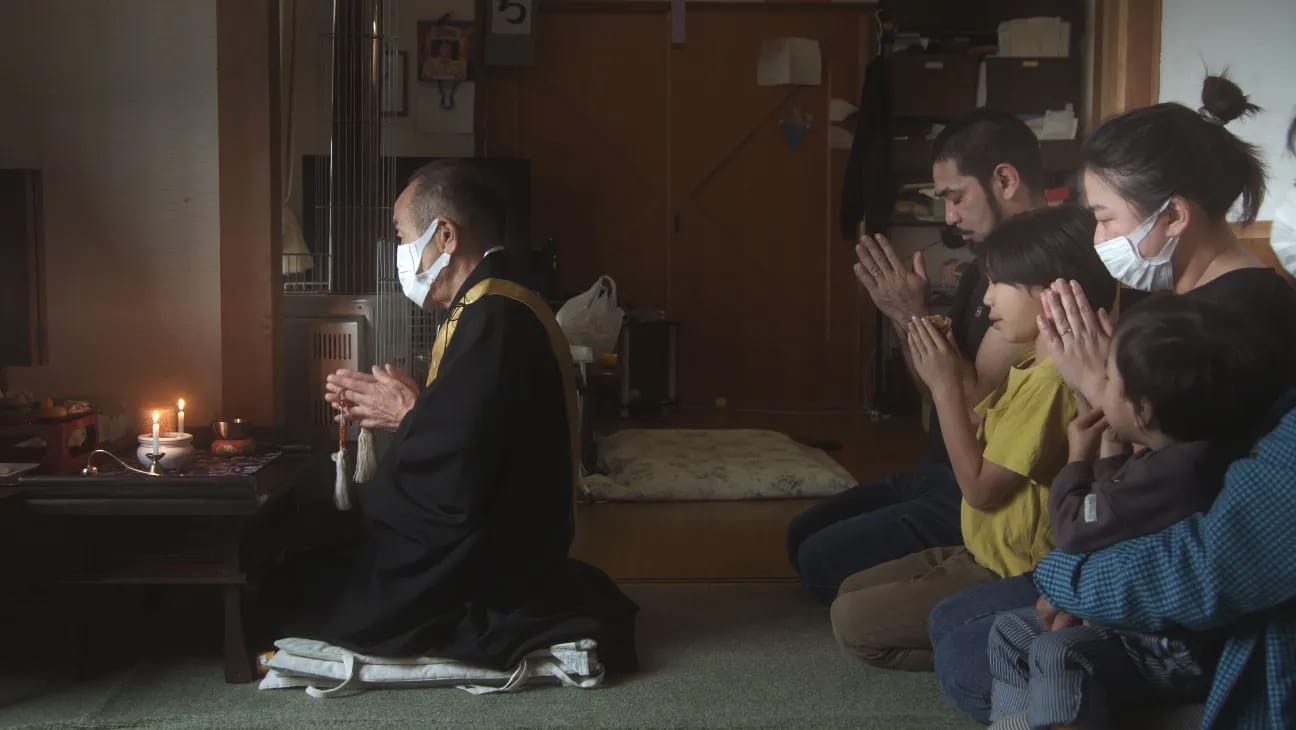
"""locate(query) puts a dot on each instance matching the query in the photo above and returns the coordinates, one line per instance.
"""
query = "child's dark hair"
(1039, 246)
(1206, 372)
(1152, 153)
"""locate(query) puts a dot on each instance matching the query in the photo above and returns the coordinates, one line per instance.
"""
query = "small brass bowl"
(231, 430)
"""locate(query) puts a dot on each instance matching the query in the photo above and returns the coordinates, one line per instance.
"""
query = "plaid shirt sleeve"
(1203, 572)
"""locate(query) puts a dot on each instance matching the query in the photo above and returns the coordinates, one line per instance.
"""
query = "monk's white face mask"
(1283, 236)
(409, 256)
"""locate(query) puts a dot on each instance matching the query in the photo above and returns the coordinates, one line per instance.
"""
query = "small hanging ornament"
(366, 457)
(795, 125)
(341, 484)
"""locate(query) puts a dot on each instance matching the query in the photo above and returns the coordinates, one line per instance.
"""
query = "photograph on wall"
(444, 51)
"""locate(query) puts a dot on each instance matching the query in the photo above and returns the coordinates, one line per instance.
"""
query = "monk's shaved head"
(458, 190)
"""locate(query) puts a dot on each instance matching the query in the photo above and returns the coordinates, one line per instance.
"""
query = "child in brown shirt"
(1190, 381)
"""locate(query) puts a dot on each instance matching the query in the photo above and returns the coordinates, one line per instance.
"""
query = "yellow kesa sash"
(557, 341)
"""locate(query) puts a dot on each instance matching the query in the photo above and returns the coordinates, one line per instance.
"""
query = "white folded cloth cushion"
(327, 671)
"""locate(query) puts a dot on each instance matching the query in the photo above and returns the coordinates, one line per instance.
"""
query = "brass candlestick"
(154, 470)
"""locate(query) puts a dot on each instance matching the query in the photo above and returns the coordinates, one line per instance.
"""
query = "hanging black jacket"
(868, 192)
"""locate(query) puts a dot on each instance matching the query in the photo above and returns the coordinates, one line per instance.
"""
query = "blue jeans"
(1084, 674)
(871, 524)
(959, 627)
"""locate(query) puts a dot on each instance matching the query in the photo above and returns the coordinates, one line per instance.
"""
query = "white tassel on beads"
(341, 489)
(366, 458)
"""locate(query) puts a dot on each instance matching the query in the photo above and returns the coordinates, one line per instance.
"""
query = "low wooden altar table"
(121, 528)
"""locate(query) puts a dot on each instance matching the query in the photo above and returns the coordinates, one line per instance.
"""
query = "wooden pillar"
(23, 341)
(1127, 56)
(247, 85)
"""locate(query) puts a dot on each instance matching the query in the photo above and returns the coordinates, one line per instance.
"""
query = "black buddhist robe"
(470, 515)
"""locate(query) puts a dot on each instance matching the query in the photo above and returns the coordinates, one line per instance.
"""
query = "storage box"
(933, 84)
(1033, 85)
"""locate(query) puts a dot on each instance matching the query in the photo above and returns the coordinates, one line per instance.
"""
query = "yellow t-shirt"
(1023, 426)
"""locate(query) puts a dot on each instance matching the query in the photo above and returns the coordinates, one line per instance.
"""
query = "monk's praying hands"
(378, 400)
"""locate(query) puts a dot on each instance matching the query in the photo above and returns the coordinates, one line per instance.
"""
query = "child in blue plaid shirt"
(1191, 381)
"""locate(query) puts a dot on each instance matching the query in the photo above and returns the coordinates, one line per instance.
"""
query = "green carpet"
(720, 656)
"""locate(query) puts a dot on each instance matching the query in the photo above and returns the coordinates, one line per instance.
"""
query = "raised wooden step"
(740, 540)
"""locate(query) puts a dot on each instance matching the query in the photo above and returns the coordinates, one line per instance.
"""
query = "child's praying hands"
(1084, 435)
(935, 357)
(1113, 444)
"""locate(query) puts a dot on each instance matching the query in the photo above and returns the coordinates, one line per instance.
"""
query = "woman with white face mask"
(1161, 181)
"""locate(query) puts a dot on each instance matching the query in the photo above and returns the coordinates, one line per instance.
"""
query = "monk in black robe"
(470, 516)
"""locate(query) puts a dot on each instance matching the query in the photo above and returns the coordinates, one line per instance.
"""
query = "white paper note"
(786, 61)
(431, 118)
(511, 17)
(1060, 124)
(1028, 37)
(839, 110)
(840, 139)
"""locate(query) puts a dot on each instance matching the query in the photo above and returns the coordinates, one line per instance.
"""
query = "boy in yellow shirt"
(1004, 452)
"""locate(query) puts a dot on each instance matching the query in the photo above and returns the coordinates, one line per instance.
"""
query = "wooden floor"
(733, 541)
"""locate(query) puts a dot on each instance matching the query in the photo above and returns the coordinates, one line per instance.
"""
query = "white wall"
(1256, 41)
(116, 103)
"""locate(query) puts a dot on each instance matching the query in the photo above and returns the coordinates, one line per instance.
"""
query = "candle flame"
(155, 416)
(181, 404)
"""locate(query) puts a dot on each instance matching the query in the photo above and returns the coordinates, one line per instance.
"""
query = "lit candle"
(180, 416)
(155, 433)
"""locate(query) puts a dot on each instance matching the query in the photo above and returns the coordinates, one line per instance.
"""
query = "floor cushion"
(716, 464)
(325, 670)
